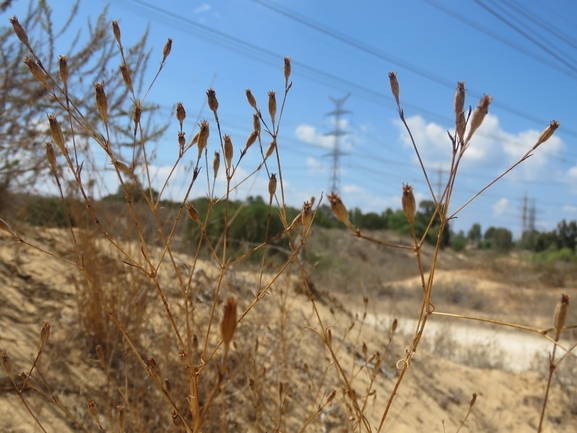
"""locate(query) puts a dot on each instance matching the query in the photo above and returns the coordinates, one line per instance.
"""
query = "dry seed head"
(63, 70)
(92, 409)
(394, 325)
(459, 104)
(154, 370)
(287, 70)
(4, 226)
(44, 333)
(339, 209)
(272, 185)
(180, 113)
(461, 126)
(101, 102)
(51, 156)
(307, 215)
(193, 213)
(121, 417)
(20, 32)
(216, 164)
(256, 123)
(167, 386)
(473, 399)
(137, 115)
(212, 101)
(202, 137)
(560, 315)
(56, 132)
(250, 140)
(36, 71)
(251, 99)
(181, 140)
(166, 49)
(177, 421)
(116, 31)
(272, 105)
(394, 86)
(182, 355)
(408, 201)
(126, 77)
(228, 324)
(270, 149)
(228, 151)
(478, 116)
(547, 133)
(7, 364)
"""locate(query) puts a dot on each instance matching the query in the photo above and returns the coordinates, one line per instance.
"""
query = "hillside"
(279, 374)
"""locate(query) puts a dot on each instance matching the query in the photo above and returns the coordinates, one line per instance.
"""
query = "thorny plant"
(210, 367)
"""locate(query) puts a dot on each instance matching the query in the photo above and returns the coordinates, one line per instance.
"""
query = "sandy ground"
(434, 396)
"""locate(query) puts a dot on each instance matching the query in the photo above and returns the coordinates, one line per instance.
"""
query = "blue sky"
(522, 53)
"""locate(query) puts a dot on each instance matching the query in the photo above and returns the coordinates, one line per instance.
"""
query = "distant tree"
(475, 235)
(567, 234)
(498, 238)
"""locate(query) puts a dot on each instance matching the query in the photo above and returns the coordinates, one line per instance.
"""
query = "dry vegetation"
(139, 335)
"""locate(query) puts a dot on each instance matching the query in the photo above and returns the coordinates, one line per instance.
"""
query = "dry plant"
(170, 361)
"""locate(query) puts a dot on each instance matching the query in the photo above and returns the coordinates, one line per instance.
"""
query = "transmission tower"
(337, 133)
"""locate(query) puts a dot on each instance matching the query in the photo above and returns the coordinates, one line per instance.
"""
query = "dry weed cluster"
(184, 342)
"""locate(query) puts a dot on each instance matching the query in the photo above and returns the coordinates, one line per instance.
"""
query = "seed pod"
(136, 116)
(547, 133)
(193, 213)
(212, 101)
(287, 70)
(250, 141)
(4, 226)
(101, 102)
(394, 325)
(307, 216)
(176, 420)
(44, 333)
(560, 315)
(459, 103)
(272, 186)
(93, 410)
(270, 149)
(181, 140)
(473, 399)
(216, 164)
(166, 49)
(20, 32)
(256, 123)
(36, 71)
(154, 370)
(228, 324)
(7, 364)
(228, 151)
(394, 86)
(63, 70)
(408, 201)
(202, 137)
(121, 418)
(461, 126)
(51, 156)
(251, 99)
(180, 113)
(339, 210)
(116, 31)
(478, 116)
(56, 132)
(126, 77)
(182, 355)
(272, 105)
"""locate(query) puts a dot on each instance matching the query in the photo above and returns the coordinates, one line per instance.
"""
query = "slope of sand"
(434, 396)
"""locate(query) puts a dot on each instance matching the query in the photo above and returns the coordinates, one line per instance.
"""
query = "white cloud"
(570, 208)
(309, 134)
(205, 7)
(491, 147)
(500, 207)
(314, 166)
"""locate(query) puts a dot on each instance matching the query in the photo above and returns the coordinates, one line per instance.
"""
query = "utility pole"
(532, 212)
(524, 216)
(337, 132)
